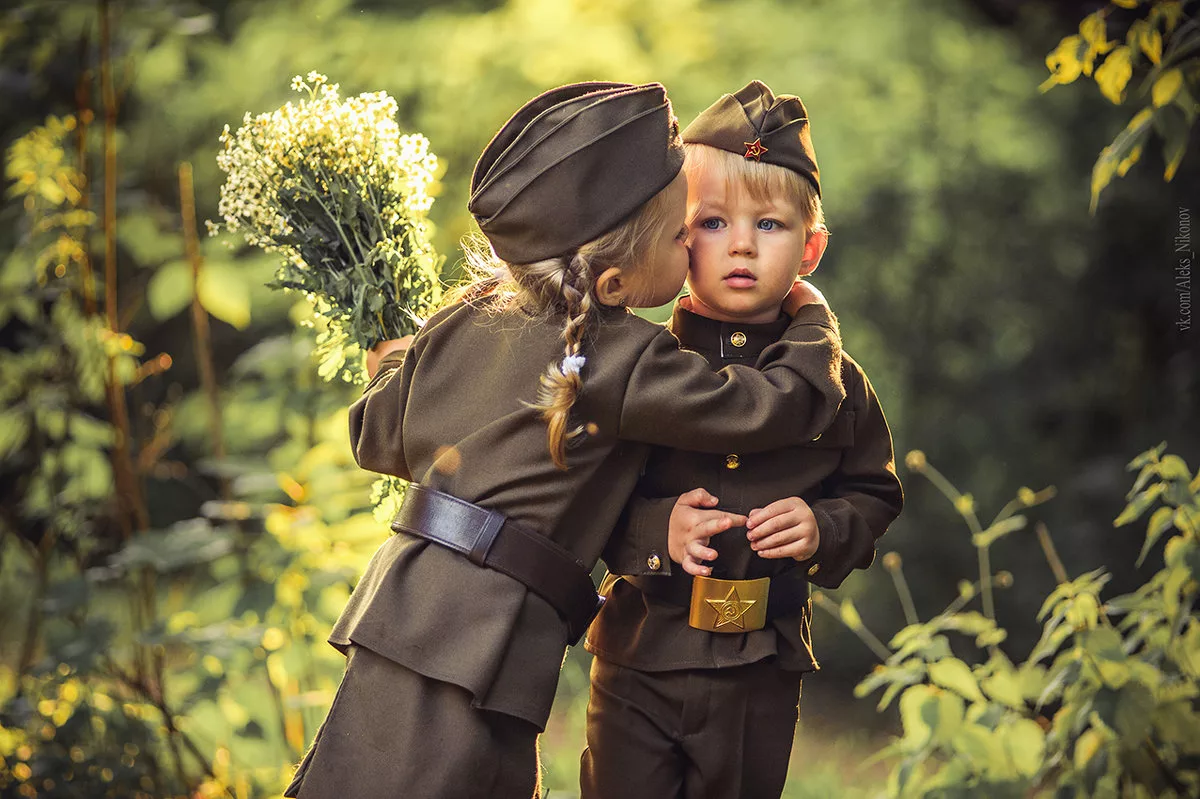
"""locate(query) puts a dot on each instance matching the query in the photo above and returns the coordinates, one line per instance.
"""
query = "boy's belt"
(728, 606)
(488, 538)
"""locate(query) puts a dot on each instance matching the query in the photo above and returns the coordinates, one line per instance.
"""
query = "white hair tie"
(572, 364)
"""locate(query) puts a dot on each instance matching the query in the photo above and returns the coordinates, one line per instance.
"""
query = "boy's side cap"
(570, 165)
(756, 124)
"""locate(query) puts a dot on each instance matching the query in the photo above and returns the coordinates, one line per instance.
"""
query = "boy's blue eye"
(768, 224)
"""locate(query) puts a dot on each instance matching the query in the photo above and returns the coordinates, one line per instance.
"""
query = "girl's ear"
(814, 248)
(612, 287)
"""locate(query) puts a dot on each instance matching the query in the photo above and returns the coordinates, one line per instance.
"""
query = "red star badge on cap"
(754, 149)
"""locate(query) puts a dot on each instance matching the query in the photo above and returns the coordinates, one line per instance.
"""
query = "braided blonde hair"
(562, 286)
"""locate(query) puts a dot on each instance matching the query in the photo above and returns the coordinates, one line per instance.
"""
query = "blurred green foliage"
(1004, 330)
(1116, 712)
(1162, 42)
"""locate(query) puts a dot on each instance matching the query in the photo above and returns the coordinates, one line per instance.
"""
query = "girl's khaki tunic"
(453, 418)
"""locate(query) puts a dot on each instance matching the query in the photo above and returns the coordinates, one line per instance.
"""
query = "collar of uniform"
(725, 339)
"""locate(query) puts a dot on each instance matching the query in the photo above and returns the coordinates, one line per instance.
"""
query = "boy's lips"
(740, 278)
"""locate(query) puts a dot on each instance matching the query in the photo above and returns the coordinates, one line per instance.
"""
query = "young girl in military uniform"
(697, 675)
(522, 413)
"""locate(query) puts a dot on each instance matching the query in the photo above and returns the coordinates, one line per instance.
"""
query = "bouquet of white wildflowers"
(333, 186)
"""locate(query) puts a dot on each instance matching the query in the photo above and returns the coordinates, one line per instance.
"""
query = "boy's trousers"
(392, 733)
(689, 734)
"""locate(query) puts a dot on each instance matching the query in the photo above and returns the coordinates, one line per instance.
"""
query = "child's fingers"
(787, 536)
(695, 568)
(697, 498)
(776, 508)
(717, 522)
(773, 525)
(794, 549)
(696, 549)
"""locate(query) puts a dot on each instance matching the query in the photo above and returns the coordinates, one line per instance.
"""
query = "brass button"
(813, 569)
(817, 437)
(738, 339)
(654, 562)
(732, 461)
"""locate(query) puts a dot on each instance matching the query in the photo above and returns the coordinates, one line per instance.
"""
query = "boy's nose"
(742, 243)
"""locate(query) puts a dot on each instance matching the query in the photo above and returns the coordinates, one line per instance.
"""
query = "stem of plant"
(866, 636)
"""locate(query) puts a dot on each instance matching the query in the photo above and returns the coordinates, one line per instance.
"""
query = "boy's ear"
(612, 287)
(814, 248)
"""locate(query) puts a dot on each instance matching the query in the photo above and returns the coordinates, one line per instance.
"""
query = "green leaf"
(1117, 158)
(170, 290)
(1138, 505)
(1087, 746)
(14, 430)
(140, 233)
(1134, 709)
(1173, 467)
(1166, 87)
(1160, 522)
(186, 543)
(1172, 124)
(1004, 687)
(224, 294)
(1151, 455)
(952, 673)
(917, 730)
(1025, 743)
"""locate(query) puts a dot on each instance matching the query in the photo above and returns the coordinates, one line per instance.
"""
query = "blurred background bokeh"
(171, 560)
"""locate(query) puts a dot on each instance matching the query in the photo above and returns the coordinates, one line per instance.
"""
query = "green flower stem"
(1056, 565)
(866, 636)
(968, 514)
(906, 600)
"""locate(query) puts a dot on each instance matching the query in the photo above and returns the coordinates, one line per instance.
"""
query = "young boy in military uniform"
(697, 674)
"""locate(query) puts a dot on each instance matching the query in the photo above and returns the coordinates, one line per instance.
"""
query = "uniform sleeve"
(674, 399)
(638, 545)
(377, 418)
(861, 498)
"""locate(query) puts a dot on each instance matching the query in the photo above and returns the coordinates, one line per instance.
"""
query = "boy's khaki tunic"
(846, 474)
(451, 418)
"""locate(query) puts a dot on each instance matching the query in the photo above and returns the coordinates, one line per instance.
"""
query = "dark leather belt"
(488, 538)
(786, 595)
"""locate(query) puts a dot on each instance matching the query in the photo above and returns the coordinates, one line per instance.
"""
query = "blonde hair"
(763, 182)
(562, 286)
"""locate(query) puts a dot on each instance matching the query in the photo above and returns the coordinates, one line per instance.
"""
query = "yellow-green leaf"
(170, 290)
(1004, 687)
(955, 675)
(224, 294)
(1125, 3)
(1160, 522)
(1151, 42)
(1065, 62)
(1113, 75)
(1086, 747)
(1093, 28)
(1025, 743)
(1167, 87)
(917, 731)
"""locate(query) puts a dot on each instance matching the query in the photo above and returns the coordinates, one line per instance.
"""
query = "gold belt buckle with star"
(728, 606)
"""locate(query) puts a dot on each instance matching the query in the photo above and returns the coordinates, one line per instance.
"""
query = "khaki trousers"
(689, 734)
(392, 732)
